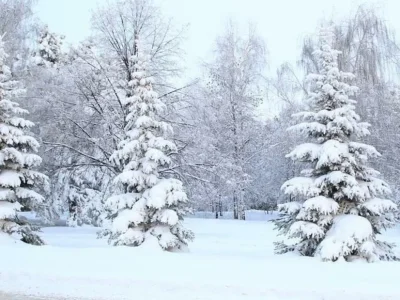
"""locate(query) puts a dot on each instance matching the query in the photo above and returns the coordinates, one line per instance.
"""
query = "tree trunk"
(235, 206)
(242, 211)
(242, 214)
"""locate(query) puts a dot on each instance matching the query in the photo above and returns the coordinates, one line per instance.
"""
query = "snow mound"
(349, 234)
(7, 240)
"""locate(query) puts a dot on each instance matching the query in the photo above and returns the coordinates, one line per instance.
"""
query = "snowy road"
(229, 260)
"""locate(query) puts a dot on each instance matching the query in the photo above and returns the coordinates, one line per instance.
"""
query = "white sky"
(282, 23)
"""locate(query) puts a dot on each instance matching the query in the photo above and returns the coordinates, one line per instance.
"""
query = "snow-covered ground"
(228, 260)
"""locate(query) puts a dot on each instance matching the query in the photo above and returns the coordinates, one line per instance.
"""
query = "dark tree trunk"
(235, 206)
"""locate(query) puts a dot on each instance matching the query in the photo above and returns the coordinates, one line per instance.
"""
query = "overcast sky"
(282, 23)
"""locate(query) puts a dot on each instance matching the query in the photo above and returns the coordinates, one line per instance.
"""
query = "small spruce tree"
(17, 177)
(84, 193)
(49, 51)
(150, 204)
(338, 211)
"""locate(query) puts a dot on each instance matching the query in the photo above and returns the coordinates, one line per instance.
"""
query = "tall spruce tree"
(337, 213)
(17, 179)
(150, 204)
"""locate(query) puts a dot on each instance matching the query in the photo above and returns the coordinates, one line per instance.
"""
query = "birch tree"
(234, 95)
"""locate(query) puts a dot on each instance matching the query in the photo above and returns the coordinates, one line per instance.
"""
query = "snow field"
(228, 260)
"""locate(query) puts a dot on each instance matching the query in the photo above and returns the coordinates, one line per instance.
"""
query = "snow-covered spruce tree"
(17, 179)
(150, 203)
(77, 200)
(49, 51)
(337, 213)
(84, 194)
